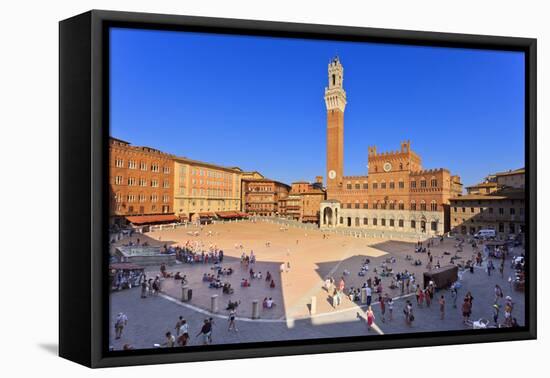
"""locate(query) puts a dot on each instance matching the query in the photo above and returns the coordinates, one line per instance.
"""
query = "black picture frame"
(83, 196)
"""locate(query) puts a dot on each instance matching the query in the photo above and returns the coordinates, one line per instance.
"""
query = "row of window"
(210, 203)
(392, 206)
(388, 222)
(391, 185)
(207, 182)
(133, 164)
(132, 181)
(211, 192)
(140, 198)
(490, 210)
(260, 206)
(141, 210)
(261, 189)
(211, 173)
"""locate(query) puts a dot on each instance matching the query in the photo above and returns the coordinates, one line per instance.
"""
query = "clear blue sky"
(259, 102)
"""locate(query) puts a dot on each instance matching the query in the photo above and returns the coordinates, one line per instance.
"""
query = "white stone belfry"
(335, 95)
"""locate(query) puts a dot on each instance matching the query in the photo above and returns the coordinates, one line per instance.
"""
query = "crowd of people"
(194, 252)
(371, 293)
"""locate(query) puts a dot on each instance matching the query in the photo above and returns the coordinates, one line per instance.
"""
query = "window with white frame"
(132, 164)
(119, 163)
(119, 180)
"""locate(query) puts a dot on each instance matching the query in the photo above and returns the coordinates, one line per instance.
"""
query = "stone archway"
(423, 225)
(328, 218)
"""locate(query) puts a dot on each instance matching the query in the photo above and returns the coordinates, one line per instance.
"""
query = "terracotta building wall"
(262, 196)
(141, 180)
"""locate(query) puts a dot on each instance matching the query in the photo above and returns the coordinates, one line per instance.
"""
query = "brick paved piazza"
(312, 258)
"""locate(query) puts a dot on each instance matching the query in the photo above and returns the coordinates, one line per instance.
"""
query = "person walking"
(370, 318)
(369, 295)
(409, 317)
(341, 284)
(498, 294)
(496, 312)
(466, 310)
(454, 294)
(120, 322)
(178, 325)
(470, 298)
(382, 302)
(144, 289)
(205, 332)
(428, 297)
(490, 267)
(442, 307)
(389, 301)
(183, 333)
(508, 314)
(232, 324)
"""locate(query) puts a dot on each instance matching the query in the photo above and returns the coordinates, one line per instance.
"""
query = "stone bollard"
(255, 309)
(363, 295)
(185, 293)
(214, 303)
(313, 309)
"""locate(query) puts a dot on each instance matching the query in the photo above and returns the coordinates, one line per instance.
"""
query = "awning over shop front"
(152, 219)
(229, 214)
(207, 215)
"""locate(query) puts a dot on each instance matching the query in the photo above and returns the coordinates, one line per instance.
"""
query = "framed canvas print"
(233, 188)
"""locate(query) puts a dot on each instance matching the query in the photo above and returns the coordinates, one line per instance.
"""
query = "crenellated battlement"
(429, 171)
(405, 149)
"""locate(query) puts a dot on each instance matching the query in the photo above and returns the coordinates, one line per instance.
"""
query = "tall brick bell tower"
(335, 100)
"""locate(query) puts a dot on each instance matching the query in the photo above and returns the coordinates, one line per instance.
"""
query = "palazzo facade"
(397, 196)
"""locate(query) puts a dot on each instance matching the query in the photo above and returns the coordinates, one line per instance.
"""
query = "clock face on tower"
(332, 174)
(387, 166)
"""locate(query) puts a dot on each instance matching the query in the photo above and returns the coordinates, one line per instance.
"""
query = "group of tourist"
(150, 286)
(125, 278)
(195, 252)
(247, 260)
